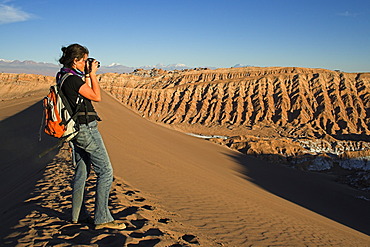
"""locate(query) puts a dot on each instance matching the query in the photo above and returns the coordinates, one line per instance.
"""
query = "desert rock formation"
(327, 102)
(23, 85)
(281, 113)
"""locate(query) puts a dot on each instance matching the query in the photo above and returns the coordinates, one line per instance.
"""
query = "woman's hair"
(71, 52)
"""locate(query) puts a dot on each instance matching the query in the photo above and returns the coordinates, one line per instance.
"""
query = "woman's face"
(80, 64)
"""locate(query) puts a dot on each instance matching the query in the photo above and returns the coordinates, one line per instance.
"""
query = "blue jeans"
(89, 150)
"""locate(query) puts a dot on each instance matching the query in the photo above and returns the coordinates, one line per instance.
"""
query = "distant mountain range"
(50, 69)
(28, 67)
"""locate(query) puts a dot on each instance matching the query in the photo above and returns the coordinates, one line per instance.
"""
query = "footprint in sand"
(148, 207)
(164, 221)
(190, 239)
(139, 199)
(138, 223)
(151, 232)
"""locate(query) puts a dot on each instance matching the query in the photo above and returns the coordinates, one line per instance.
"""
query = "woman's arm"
(93, 92)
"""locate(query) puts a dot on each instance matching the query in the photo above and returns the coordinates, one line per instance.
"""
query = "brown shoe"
(111, 225)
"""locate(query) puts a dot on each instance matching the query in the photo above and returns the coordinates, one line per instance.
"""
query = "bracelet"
(87, 75)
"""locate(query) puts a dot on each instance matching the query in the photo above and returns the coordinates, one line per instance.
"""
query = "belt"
(90, 113)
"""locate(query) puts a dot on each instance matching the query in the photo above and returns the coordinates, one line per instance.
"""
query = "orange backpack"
(60, 120)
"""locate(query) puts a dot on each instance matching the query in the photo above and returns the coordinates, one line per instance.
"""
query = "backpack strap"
(79, 99)
(62, 79)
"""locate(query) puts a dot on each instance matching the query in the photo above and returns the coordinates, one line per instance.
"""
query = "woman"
(88, 146)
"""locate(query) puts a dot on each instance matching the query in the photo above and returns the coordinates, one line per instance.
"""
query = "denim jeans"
(89, 150)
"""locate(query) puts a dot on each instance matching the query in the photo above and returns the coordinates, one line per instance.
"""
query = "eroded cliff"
(14, 86)
(281, 113)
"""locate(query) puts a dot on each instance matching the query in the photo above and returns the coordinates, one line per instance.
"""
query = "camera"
(90, 60)
(88, 66)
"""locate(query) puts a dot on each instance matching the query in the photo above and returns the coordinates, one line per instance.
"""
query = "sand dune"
(235, 198)
(35, 195)
(172, 189)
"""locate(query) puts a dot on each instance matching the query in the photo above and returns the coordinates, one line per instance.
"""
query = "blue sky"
(219, 33)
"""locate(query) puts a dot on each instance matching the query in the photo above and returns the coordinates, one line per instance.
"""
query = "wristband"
(87, 75)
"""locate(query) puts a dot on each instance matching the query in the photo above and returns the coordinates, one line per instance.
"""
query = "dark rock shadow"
(352, 137)
(318, 192)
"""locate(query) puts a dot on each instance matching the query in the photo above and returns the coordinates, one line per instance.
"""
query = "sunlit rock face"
(310, 117)
(13, 86)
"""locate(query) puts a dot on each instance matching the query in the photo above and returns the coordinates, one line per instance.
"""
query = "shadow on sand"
(315, 191)
(20, 166)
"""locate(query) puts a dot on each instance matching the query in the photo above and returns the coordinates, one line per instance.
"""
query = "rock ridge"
(22, 85)
(293, 107)
(329, 102)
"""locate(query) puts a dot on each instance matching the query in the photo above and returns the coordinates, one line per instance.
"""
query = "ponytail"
(70, 53)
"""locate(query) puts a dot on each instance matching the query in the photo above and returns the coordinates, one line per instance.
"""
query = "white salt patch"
(208, 137)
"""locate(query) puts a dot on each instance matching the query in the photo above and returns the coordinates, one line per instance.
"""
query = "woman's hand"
(94, 67)
(91, 89)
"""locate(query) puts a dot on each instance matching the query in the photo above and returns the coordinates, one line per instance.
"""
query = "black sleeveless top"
(70, 88)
